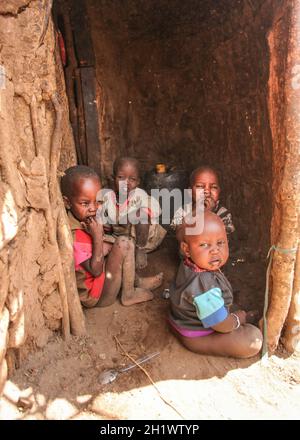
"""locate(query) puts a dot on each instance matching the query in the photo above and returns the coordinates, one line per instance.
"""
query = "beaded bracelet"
(238, 322)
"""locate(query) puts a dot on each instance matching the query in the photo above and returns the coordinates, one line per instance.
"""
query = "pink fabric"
(190, 333)
(82, 252)
(82, 247)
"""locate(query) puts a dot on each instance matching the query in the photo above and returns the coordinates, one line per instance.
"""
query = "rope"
(265, 354)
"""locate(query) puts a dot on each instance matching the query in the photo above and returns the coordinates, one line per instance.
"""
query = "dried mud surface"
(61, 380)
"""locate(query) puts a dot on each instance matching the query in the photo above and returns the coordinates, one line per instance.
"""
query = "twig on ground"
(149, 377)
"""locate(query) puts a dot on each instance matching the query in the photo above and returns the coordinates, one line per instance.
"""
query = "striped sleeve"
(210, 307)
(226, 218)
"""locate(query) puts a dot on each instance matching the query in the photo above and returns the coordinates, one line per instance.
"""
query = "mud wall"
(30, 303)
(186, 83)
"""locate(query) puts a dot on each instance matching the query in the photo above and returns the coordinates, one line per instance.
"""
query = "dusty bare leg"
(119, 272)
(129, 294)
(150, 283)
(113, 276)
(242, 343)
(107, 247)
(142, 233)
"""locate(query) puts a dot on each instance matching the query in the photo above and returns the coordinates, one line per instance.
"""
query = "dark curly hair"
(73, 174)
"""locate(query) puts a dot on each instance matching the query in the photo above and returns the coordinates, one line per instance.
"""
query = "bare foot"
(150, 283)
(139, 295)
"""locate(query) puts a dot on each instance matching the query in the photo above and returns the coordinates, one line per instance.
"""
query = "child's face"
(83, 203)
(206, 185)
(208, 250)
(126, 178)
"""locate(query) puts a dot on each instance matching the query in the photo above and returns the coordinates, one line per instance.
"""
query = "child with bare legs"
(103, 270)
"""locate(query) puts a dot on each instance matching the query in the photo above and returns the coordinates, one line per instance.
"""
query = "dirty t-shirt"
(199, 299)
(89, 287)
(122, 215)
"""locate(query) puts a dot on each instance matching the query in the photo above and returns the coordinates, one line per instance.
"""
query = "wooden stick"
(3, 374)
(53, 195)
(48, 7)
(149, 377)
(292, 331)
(55, 147)
(4, 322)
(289, 192)
(81, 119)
(4, 286)
(64, 238)
(34, 122)
(70, 78)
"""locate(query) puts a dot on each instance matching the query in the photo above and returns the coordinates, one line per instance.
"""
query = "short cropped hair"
(200, 170)
(72, 175)
(120, 161)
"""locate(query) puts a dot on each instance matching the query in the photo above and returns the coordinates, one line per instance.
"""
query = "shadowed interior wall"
(186, 83)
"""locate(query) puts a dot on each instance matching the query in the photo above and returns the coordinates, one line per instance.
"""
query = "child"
(201, 296)
(205, 187)
(99, 279)
(128, 199)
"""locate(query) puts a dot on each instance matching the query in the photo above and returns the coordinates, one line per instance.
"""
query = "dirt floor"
(62, 380)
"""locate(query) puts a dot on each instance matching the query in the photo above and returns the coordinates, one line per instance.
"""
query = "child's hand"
(93, 228)
(242, 316)
(209, 204)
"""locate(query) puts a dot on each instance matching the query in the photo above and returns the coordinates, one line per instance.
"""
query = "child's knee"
(251, 343)
(124, 245)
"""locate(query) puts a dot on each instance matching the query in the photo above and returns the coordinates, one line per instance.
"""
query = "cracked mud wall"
(30, 303)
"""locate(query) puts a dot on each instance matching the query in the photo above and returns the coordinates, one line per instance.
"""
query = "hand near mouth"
(92, 227)
(209, 204)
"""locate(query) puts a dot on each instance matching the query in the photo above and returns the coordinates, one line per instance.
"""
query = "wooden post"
(88, 84)
(81, 121)
(292, 331)
(283, 270)
(70, 77)
(82, 33)
(85, 86)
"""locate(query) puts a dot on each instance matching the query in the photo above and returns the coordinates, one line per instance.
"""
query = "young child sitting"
(201, 296)
(205, 187)
(102, 269)
(129, 200)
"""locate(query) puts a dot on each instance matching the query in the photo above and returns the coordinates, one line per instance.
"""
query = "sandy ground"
(62, 380)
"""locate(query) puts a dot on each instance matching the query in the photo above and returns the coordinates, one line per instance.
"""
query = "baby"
(201, 296)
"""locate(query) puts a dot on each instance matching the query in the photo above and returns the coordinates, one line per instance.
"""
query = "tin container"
(160, 168)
